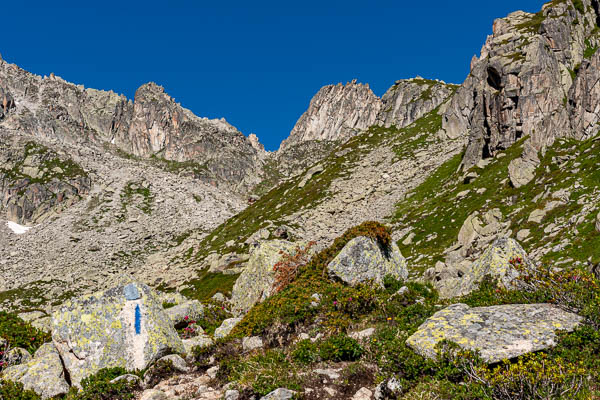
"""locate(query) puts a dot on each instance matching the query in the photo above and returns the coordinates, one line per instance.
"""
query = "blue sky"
(257, 63)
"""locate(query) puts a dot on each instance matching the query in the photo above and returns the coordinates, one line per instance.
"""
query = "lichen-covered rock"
(363, 260)
(226, 327)
(255, 284)
(17, 356)
(44, 374)
(495, 262)
(181, 314)
(120, 327)
(497, 332)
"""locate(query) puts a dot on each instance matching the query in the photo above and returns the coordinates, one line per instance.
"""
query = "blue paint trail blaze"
(138, 320)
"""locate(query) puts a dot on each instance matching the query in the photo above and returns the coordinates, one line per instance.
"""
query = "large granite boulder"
(121, 327)
(255, 284)
(497, 262)
(44, 374)
(497, 332)
(363, 260)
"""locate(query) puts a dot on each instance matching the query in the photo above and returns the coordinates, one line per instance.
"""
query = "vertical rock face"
(153, 125)
(409, 100)
(522, 84)
(336, 112)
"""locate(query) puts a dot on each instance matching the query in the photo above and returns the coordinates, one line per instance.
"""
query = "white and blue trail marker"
(132, 293)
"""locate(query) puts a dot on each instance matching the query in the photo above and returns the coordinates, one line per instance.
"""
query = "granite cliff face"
(339, 112)
(536, 77)
(153, 125)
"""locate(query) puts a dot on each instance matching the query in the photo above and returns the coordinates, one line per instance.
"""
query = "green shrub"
(98, 386)
(160, 370)
(14, 391)
(19, 333)
(339, 304)
(214, 315)
(533, 376)
(340, 348)
(306, 352)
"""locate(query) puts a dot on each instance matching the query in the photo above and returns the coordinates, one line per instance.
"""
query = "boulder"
(497, 332)
(521, 172)
(255, 284)
(178, 363)
(226, 327)
(252, 343)
(121, 327)
(17, 356)
(495, 262)
(390, 388)
(363, 394)
(536, 216)
(232, 395)
(279, 394)
(181, 314)
(363, 260)
(44, 374)
(152, 394)
(196, 341)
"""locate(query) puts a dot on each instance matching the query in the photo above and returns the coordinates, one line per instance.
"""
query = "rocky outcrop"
(255, 284)
(36, 182)
(523, 84)
(499, 262)
(364, 260)
(44, 374)
(497, 332)
(336, 112)
(226, 327)
(408, 100)
(120, 327)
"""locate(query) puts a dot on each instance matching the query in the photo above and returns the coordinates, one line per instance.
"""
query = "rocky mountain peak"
(336, 112)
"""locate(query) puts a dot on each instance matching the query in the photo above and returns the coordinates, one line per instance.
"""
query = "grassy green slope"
(436, 212)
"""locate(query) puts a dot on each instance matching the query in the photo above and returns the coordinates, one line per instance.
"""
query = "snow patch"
(16, 228)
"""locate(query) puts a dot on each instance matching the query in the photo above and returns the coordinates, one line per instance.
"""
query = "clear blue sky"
(256, 63)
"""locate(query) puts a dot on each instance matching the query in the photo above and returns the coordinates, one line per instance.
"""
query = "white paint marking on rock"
(16, 228)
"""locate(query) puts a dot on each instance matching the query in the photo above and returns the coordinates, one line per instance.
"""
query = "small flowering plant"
(515, 261)
(191, 329)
